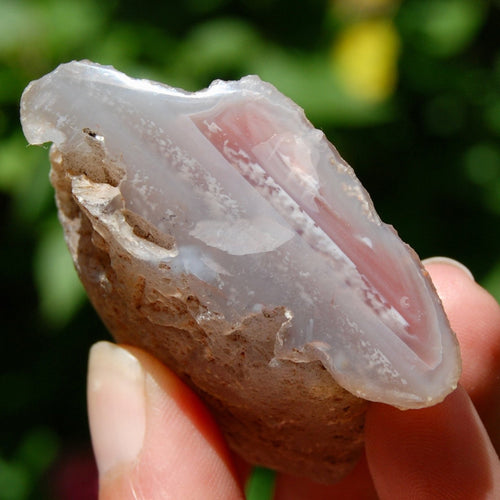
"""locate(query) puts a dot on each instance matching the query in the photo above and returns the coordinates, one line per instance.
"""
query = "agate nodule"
(224, 234)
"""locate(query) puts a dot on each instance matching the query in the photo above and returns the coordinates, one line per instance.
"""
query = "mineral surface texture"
(223, 233)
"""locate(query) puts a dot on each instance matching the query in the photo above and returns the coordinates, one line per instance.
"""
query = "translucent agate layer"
(260, 208)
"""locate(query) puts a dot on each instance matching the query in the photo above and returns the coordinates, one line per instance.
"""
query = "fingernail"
(116, 405)
(450, 262)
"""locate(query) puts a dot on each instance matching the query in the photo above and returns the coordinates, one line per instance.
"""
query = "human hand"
(154, 439)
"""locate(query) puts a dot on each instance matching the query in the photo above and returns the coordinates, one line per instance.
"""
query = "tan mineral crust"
(223, 234)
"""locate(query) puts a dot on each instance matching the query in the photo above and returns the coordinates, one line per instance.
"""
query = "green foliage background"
(409, 92)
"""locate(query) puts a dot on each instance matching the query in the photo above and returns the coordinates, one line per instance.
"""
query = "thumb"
(151, 435)
(438, 452)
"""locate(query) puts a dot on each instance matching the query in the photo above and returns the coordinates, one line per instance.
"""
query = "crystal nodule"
(223, 233)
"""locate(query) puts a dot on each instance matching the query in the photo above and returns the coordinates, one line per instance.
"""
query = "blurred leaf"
(38, 450)
(69, 23)
(217, 49)
(10, 84)
(33, 29)
(16, 162)
(260, 485)
(492, 115)
(15, 482)
(120, 45)
(441, 27)
(19, 25)
(482, 165)
(60, 290)
(24, 176)
(492, 281)
(35, 195)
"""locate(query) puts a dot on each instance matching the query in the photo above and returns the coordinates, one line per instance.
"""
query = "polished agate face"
(228, 198)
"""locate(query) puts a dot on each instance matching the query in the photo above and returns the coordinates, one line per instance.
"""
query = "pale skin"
(154, 439)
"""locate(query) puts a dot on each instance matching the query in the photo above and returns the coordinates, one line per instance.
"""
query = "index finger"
(475, 318)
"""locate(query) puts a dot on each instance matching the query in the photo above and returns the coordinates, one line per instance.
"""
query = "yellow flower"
(365, 56)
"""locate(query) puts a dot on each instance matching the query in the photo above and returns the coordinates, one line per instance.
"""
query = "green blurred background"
(408, 91)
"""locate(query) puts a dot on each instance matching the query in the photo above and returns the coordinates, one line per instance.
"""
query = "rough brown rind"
(288, 416)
